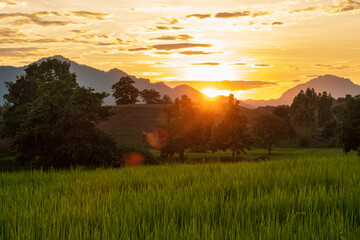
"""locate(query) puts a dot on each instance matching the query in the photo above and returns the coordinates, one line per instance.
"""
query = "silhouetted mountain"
(102, 81)
(337, 86)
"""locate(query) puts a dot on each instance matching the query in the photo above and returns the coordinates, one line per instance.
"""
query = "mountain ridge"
(337, 86)
(102, 81)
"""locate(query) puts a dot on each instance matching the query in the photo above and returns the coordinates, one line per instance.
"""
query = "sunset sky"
(261, 47)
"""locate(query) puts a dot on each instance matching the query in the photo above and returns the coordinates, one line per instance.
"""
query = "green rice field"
(298, 194)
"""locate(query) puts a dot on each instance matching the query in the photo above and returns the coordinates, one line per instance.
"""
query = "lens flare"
(134, 159)
(157, 138)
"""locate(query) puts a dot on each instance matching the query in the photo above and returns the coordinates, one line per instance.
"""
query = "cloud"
(165, 28)
(91, 15)
(239, 64)
(17, 52)
(79, 31)
(178, 37)
(232, 14)
(308, 9)
(7, 32)
(37, 18)
(163, 53)
(244, 13)
(4, 3)
(207, 63)
(179, 46)
(138, 49)
(332, 67)
(262, 65)
(342, 6)
(34, 18)
(164, 20)
(42, 23)
(223, 85)
(189, 52)
(260, 13)
(199, 16)
(296, 80)
(277, 23)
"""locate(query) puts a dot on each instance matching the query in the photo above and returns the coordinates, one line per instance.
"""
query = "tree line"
(53, 122)
(315, 115)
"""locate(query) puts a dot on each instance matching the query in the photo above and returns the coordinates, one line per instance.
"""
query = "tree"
(166, 99)
(232, 132)
(180, 122)
(54, 123)
(124, 92)
(351, 125)
(269, 128)
(325, 102)
(283, 111)
(304, 107)
(150, 96)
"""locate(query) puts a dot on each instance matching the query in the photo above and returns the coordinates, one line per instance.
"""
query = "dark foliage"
(283, 111)
(124, 92)
(53, 122)
(268, 129)
(232, 132)
(351, 125)
(186, 127)
(151, 96)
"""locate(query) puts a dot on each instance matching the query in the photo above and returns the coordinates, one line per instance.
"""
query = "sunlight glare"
(210, 73)
(212, 92)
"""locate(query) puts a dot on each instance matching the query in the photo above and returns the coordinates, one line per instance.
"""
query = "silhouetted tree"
(269, 128)
(351, 125)
(124, 92)
(53, 121)
(232, 132)
(166, 99)
(325, 102)
(304, 107)
(150, 96)
(180, 122)
(283, 111)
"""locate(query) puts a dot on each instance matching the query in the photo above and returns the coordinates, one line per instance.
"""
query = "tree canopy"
(351, 125)
(269, 128)
(151, 96)
(52, 121)
(304, 107)
(124, 92)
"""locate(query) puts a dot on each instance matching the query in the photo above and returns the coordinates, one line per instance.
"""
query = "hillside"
(337, 86)
(129, 121)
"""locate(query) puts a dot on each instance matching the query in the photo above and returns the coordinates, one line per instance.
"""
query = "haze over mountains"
(102, 81)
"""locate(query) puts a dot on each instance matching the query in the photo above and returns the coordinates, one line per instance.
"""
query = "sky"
(255, 49)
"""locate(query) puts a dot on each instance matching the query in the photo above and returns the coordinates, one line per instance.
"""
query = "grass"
(313, 196)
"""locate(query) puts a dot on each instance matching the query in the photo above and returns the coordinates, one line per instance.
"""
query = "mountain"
(102, 81)
(337, 86)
